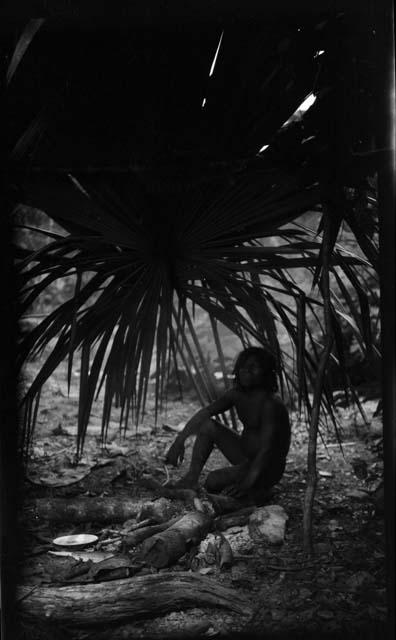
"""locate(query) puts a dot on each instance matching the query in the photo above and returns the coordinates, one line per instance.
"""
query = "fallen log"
(128, 599)
(84, 509)
(165, 548)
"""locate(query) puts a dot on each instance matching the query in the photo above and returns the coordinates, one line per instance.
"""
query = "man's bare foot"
(260, 498)
(186, 482)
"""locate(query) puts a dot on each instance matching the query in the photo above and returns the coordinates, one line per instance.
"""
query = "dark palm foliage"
(147, 270)
(190, 226)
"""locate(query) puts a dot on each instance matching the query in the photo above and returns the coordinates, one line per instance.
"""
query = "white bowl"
(78, 540)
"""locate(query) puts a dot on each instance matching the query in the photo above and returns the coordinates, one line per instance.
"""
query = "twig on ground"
(167, 475)
(138, 525)
(103, 543)
(109, 532)
(344, 444)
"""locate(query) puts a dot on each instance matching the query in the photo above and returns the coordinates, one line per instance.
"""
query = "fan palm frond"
(148, 268)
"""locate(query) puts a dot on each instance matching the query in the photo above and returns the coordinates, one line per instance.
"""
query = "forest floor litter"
(341, 587)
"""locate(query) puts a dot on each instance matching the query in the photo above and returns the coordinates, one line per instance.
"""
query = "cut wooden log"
(163, 549)
(128, 599)
(85, 509)
(136, 537)
(160, 510)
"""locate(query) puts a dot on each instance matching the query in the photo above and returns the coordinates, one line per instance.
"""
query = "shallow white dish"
(78, 540)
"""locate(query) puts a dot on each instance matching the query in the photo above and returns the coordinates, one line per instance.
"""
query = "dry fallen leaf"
(226, 557)
(325, 474)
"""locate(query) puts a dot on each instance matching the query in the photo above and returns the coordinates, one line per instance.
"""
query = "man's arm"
(226, 401)
(176, 451)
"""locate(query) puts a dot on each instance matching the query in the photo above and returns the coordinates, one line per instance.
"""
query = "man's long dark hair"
(265, 359)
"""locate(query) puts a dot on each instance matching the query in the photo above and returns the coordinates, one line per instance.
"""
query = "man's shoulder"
(279, 406)
(273, 399)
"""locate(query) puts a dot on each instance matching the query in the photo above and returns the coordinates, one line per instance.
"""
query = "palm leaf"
(23, 44)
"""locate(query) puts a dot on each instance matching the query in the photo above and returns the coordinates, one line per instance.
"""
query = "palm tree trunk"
(323, 362)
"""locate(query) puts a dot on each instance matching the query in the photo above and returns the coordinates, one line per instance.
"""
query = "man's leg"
(219, 479)
(210, 434)
(259, 494)
(263, 488)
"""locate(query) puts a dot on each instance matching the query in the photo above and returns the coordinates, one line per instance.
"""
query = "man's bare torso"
(256, 409)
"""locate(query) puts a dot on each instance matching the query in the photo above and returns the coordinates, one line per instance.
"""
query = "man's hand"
(234, 491)
(239, 490)
(175, 454)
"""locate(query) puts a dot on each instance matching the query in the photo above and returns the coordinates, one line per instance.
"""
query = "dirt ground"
(341, 588)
